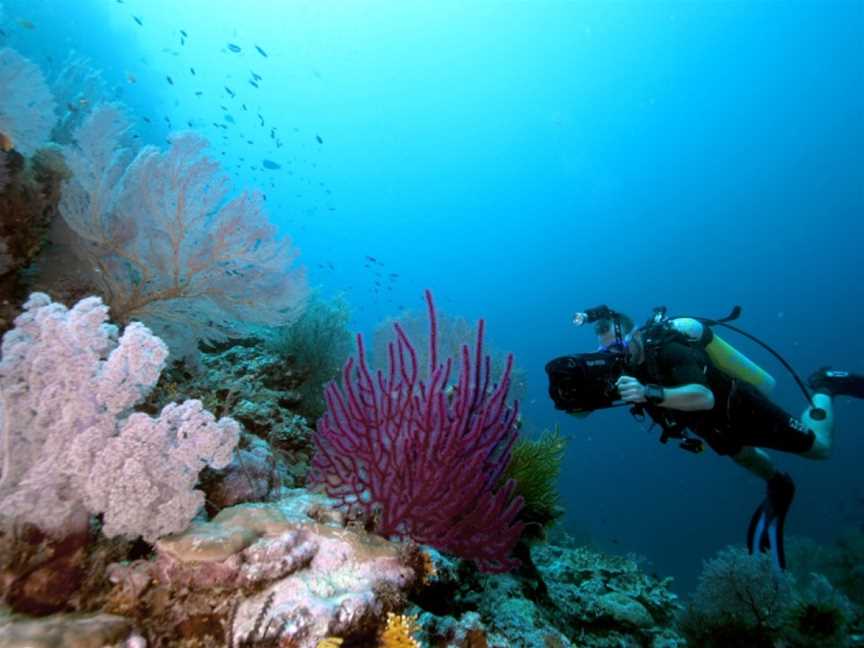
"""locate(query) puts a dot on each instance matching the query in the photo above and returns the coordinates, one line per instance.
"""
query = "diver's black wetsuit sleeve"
(682, 365)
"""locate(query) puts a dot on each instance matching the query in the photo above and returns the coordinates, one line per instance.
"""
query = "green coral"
(742, 600)
(535, 466)
(317, 346)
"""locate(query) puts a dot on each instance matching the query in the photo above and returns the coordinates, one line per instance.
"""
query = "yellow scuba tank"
(724, 356)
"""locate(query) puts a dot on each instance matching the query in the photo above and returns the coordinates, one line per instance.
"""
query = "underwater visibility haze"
(203, 204)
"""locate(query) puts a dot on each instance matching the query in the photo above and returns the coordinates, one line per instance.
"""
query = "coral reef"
(28, 206)
(68, 444)
(399, 632)
(165, 244)
(317, 345)
(452, 333)
(743, 600)
(259, 389)
(588, 599)
(310, 574)
(40, 574)
(4, 179)
(68, 631)
(535, 466)
(78, 86)
(842, 562)
(419, 461)
(26, 103)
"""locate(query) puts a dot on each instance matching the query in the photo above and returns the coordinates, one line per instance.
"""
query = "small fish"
(72, 107)
(130, 78)
(243, 106)
(192, 70)
(230, 92)
(229, 119)
(261, 118)
(26, 24)
(261, 51)
(182, 41)
(223, 108)
(250, 142)
(189, 123)
(253, 84)
(372, 259)
(270, 164)
(234, 48)
(198, 93)
(169, 80)
(318, 137)
(257, 77)
(138, 20)
(184, 34)
(146, 119)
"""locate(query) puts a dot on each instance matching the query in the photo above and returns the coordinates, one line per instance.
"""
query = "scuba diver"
(700, 390)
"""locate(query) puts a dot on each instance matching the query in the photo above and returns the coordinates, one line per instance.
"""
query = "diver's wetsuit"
(741, 416)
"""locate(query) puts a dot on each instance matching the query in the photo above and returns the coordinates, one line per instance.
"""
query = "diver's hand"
(631, 390)
(580, 318)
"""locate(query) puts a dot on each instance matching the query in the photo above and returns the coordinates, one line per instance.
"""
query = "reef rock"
(68, 631)
(289, 568)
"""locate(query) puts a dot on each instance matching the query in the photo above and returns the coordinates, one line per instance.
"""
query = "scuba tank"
(731, 361)
(723, 355)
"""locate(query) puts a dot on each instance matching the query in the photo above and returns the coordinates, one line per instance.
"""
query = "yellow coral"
(428, 570)
(330, 642)
(399, 631)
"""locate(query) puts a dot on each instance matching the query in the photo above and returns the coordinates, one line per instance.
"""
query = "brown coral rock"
(65, 631)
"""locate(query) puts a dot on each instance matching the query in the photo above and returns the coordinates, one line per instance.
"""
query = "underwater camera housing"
(586, 381)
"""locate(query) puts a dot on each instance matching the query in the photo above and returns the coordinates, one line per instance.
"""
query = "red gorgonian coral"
(420, 457)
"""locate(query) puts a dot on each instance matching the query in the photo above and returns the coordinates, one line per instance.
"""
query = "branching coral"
(399, 632)
(452, 333)
(422, 460)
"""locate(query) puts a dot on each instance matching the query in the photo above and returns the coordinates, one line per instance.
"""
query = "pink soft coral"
(69, 443)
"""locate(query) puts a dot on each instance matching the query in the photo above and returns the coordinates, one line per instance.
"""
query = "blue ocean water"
(525, 160)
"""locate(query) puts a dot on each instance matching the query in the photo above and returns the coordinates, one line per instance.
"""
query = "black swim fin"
(766, 525)
(836, 383)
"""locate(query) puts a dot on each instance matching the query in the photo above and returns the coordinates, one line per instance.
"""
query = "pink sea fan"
(77, 83)
(421, 458)
(168, 244)
(26, 103)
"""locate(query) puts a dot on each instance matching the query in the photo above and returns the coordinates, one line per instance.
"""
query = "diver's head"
(605, 330)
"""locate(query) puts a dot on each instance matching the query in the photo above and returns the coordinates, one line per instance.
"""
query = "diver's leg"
(756, 461)
(822, 426)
